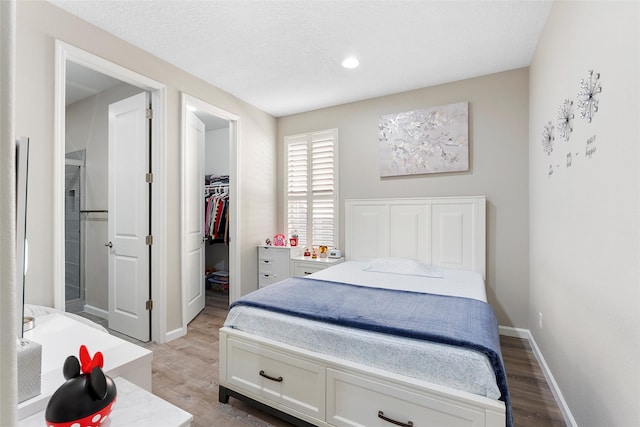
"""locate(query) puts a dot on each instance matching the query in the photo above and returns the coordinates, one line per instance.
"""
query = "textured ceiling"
(284, 56)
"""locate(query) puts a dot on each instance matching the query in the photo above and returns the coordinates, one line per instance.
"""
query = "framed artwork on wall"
(432, 140)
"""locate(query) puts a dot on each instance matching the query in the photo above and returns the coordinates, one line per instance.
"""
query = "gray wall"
(39, 23)
(498, 132)
(585, 219)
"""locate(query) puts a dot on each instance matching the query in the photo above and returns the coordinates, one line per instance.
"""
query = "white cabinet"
(274, 263)
(303, 266)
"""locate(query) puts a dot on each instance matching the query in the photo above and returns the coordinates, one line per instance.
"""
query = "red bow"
(87, 362)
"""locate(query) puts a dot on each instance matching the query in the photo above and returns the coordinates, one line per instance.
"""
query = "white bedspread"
(459, 283)
(445, 365)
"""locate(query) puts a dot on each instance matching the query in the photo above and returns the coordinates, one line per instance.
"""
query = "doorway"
(73, 231)
(209, 242)
(115, 146)
(124, 82)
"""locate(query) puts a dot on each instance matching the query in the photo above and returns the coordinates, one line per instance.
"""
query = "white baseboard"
(175, 334)
(104, 314)
(553, 385)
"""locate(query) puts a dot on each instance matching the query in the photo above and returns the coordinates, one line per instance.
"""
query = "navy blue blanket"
(462, 322)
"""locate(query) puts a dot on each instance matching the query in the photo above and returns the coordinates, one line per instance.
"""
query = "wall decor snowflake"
(548, 138)
(587, 101)
(565, 119)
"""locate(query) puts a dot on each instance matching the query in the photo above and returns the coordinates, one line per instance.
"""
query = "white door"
(129, 222)
(193, 252)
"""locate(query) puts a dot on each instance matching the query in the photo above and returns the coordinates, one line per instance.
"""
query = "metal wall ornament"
(565, 119)
(587, 101)
(548, 138)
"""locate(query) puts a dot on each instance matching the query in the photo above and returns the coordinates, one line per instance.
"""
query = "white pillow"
(406, 266)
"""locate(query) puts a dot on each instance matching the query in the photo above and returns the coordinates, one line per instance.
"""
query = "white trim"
(11, 301)
(103, 314)
(175, 334)
(553, 385)
(65, 52)
(234, 196)
(508, 331)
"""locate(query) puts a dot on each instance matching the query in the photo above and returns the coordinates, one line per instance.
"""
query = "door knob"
(109, 244)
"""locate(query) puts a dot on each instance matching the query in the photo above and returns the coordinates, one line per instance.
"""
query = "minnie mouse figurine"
(86, 398)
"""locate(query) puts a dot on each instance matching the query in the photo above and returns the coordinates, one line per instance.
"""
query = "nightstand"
(274, 263)
(303, 266)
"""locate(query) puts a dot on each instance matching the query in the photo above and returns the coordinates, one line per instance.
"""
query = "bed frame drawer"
(293, 382)
(362, 402)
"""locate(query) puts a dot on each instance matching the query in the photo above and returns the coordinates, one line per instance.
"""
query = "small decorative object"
(294, 238)
(86, 398)
(267, 241)
(323, 251)
(587, 101)
(424, 141)
(335, 253)
(29, 369)
(548, 138)
(314, 254)
(565, 118)
(306, 253)
(279, 240)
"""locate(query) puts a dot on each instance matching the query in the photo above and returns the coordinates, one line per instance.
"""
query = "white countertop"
(61, 336)
(134, 407)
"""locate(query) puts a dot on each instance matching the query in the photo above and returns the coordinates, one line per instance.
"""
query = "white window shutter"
(312, 196)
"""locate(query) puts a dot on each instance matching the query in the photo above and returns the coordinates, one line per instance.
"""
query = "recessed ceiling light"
(350, 62)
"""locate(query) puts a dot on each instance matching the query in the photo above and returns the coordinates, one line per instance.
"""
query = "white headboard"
(444, 231)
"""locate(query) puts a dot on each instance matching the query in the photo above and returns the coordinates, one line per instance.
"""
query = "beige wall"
(585, 246)
(498, 131)
(38, 25)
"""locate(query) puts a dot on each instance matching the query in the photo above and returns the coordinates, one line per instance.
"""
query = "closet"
(216, 194)
(216, 231)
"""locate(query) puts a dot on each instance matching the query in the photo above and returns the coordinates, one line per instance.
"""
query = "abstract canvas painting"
(431, 140)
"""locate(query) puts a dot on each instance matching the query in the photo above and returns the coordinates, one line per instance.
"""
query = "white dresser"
(276, 263)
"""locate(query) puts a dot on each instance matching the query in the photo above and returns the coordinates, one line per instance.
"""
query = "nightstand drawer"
(303, 266)
(302, 269)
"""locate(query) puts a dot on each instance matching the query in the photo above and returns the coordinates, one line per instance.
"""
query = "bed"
(289, 358)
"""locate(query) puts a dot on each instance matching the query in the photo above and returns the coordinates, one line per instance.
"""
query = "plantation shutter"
(312, 201)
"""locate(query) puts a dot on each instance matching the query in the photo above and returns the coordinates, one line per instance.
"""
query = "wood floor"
(185, 373)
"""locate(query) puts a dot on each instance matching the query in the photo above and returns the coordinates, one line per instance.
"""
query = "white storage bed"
(327, 375)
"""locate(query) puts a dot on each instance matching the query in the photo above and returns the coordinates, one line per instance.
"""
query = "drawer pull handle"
(278, 380)
(398, 423)
(306, 273)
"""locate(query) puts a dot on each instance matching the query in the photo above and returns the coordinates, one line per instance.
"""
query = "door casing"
(63, 53)
(234, 196)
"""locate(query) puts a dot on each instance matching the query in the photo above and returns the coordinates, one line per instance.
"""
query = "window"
(311, 199)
